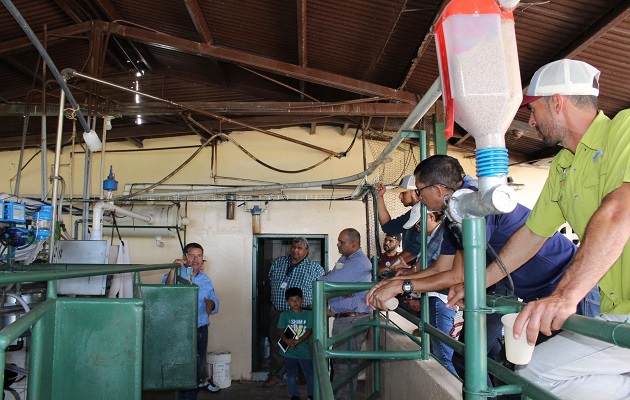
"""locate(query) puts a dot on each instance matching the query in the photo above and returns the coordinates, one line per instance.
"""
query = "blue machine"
(14, 212)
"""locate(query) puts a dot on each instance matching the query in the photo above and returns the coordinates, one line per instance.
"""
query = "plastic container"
(267, 348)
(42, 221)
(219, 369)
(479, 69)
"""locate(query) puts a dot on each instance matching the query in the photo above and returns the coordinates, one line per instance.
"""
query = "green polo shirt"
(575, 188)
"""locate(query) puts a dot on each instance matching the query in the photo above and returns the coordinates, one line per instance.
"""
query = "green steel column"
(320, 328)
(421, 135)
(441, 146)
(36, 363)
(2, 362)
(51, 289)
(377, 340)
(475, 352)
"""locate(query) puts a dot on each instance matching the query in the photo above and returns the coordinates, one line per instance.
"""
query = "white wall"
(228, 243)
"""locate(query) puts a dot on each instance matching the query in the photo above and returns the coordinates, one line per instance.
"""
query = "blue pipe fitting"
(492, 162)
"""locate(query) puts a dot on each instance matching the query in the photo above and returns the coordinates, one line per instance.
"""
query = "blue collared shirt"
(357, 268)
(206, 290)
(539, 276)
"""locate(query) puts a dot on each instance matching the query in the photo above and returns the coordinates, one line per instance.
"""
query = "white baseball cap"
(414, 216)
(408, 182)
(565, 77)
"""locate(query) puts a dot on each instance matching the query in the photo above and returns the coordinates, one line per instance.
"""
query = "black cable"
(505, 270)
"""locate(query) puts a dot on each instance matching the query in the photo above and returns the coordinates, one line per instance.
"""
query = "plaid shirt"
(434, 244)
(301, 275)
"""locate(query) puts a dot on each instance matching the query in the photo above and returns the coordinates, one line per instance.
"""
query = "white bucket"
(219, 369)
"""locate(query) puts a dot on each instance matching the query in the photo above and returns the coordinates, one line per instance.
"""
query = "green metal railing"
(478, 305)
(323, 390)
(35, 317)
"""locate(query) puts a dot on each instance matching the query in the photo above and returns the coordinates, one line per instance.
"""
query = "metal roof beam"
(591, 34)
(54, 35)
(198, 20)
(263, 63)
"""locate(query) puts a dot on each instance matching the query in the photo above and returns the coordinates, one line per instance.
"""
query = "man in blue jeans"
(440, 316)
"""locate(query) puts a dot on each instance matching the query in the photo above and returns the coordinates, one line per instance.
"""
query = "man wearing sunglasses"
(440, 316)
(437, 178)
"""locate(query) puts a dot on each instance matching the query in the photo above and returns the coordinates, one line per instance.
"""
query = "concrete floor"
(238, 390)
(242, 390)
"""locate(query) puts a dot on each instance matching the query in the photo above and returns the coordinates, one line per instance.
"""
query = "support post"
(475, 335)
(320, 329)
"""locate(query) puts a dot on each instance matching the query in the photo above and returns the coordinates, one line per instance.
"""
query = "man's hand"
(380, 190)
(209, 305)
(456, 296)
(380, 293)
(544, 315)
(400, 264)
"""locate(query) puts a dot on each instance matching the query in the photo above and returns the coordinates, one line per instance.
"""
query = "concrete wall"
(228, 243)
(414, 379)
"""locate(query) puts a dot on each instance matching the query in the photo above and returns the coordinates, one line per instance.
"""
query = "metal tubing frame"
(64, 271)
(322, 291)
(474, 238)
(62, 100)
(421, 135)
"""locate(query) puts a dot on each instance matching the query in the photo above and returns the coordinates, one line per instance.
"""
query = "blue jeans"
(202, 350)
(442, 318)
(292, 365)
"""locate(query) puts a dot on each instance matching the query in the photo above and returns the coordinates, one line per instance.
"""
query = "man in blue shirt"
(437, 178)
(353, 266)
(208, 303)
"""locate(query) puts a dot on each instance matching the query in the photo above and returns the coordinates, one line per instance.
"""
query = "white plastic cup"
(518, 352)
(392, 303)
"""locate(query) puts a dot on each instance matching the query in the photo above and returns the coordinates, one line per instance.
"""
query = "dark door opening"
(267, 248)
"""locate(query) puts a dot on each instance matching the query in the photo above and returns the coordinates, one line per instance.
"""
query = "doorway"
(268, 247)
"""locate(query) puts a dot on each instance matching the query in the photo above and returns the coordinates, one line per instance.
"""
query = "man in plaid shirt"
(294, 270)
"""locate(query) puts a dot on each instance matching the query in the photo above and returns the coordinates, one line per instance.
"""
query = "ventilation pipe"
(97, 217)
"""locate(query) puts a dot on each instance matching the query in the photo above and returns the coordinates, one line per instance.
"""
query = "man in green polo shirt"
(588, 187)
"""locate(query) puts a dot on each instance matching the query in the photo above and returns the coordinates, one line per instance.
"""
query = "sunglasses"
(419, 191)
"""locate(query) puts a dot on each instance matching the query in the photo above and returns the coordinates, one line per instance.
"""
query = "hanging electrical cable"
(190, 120)
(169, 176)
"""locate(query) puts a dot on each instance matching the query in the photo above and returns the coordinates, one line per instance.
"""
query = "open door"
(267, 248)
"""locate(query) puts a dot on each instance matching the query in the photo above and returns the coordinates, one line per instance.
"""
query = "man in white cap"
(440, 316)
(589, 187)
(404, 223)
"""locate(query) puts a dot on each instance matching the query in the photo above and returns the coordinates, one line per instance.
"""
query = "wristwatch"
(407, 287)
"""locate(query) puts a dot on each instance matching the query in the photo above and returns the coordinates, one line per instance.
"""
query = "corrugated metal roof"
(265, 51)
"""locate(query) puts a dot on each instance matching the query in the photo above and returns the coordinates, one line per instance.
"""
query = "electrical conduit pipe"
(97, 217)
